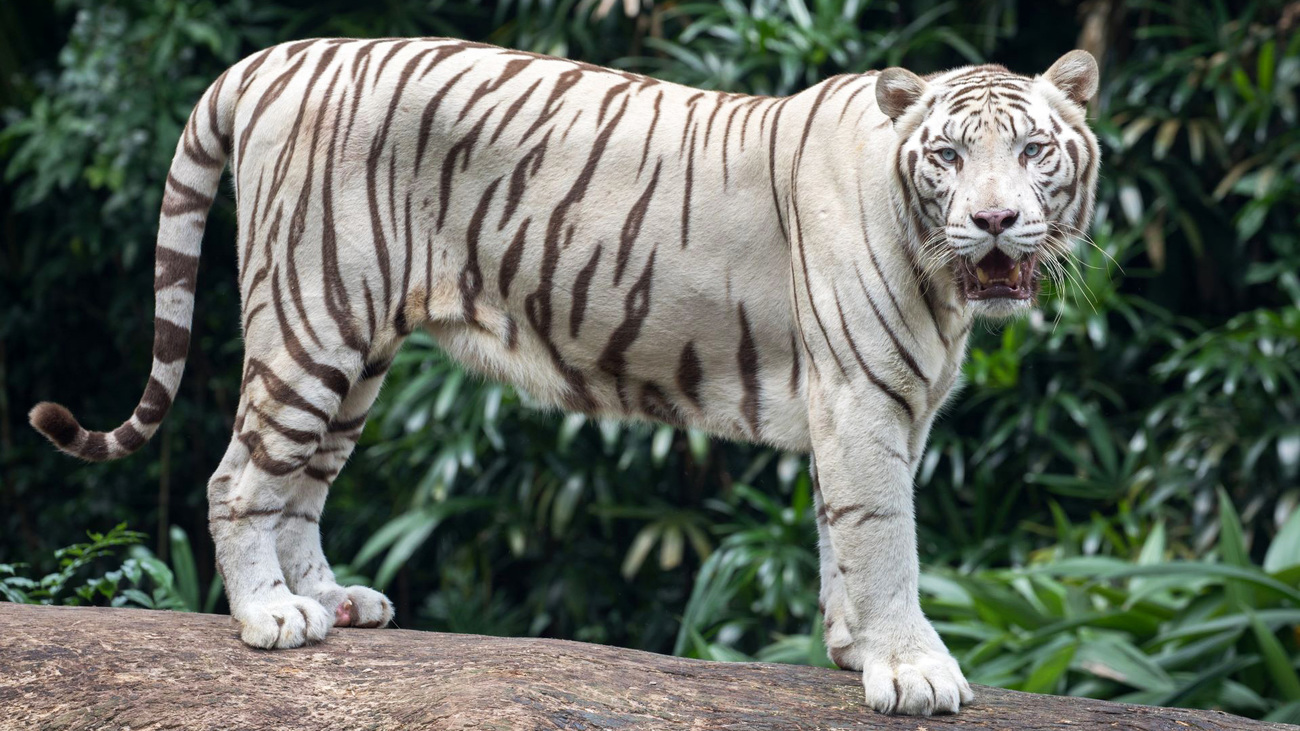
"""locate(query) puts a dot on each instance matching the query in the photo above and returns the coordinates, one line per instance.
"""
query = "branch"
(80, 668)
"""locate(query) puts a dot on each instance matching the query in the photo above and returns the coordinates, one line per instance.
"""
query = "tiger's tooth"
(1015, 275)
(980, 275)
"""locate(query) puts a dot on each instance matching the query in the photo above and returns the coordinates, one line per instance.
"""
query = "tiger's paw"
(283, 623)
(919, 683)
(363, 607)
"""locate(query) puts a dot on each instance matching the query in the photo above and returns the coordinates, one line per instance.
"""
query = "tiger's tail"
(192, 182)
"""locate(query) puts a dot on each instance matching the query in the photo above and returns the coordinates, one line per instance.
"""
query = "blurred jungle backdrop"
(1108, 509)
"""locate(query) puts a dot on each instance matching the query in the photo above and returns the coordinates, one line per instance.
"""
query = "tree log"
(84, 668)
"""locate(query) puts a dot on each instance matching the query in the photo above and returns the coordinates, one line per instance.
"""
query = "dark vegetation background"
(1108, 509)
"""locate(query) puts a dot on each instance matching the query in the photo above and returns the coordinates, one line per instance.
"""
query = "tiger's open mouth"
(998, 276)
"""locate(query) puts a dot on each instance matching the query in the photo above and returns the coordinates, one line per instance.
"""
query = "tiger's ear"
(1076, 74)
(897, 90)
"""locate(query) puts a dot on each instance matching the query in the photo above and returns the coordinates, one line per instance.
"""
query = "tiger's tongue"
(996, 266)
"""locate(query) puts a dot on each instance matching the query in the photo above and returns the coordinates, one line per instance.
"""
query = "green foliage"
(1141, 628)
(1109, 508)
(142, 580)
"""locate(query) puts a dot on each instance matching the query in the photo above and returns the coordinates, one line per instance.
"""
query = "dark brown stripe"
(318, 473)
(374, 369)
(553, 104)
(512, 69)
(170, 341)
(280, 170)
(174, 268)
(871, 376)
(194, 148)
(336, 426)
(609, 97)
(246, 514)
(426, 118)
(333, 378)
(726, 140)
(95, 447)
(747, 359)
(690, 374)
(690, 114)
(771, 167)
(632, 224)
(180, 198)
(821, 325)
(214, 96)
(719, 98)
(336, 295)
(880, 272)
(264, 102)
(794, 364)
(527, 167)
(902, 350)
(512, 110)
(636, 307)
(154, 404)
(461, 150)
(655, 404)
(581, 288)
(471, 275)
(649, 135)
(281, 391)
(538, 304)
(510, 261)
(298, 436)
(261, 458)
(399, 315)
(686, 193)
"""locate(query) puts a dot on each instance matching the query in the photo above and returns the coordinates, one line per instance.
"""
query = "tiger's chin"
(997, 286)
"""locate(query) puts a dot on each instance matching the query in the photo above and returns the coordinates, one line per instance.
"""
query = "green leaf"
(405, 545)
(1047, 671)
(187, 578)
(1289, 713)
(640, 548)
(1118, 660)
(1284, 551)
(1232, 546)
(1279, 664)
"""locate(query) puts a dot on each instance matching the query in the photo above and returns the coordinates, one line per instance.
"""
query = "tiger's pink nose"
(995, 222)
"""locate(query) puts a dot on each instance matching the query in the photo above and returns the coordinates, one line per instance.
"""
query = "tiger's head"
(997, 173)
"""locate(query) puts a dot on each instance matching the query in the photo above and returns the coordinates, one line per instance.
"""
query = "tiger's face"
(998, 173)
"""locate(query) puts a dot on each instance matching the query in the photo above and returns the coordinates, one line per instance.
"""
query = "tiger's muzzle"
(998, 276)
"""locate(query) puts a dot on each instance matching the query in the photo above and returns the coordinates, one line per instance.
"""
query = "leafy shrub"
(142, 580)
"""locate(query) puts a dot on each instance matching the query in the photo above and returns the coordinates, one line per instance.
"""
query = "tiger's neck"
(866, 307)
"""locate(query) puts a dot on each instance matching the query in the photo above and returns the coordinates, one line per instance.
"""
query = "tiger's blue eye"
(1032, 149)
(948, 154)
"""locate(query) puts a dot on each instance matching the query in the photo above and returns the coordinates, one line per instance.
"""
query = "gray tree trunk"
(82, 668)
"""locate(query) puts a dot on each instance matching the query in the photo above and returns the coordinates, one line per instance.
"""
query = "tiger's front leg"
(860, 443)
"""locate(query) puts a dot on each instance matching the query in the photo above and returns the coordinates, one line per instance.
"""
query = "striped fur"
(613, 244)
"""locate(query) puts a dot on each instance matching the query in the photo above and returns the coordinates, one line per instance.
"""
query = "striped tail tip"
(61, 427)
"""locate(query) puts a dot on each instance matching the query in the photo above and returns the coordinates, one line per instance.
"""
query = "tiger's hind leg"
(289, 399)
(298, 541)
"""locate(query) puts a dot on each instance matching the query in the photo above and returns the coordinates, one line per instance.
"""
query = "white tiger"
(801, 272)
